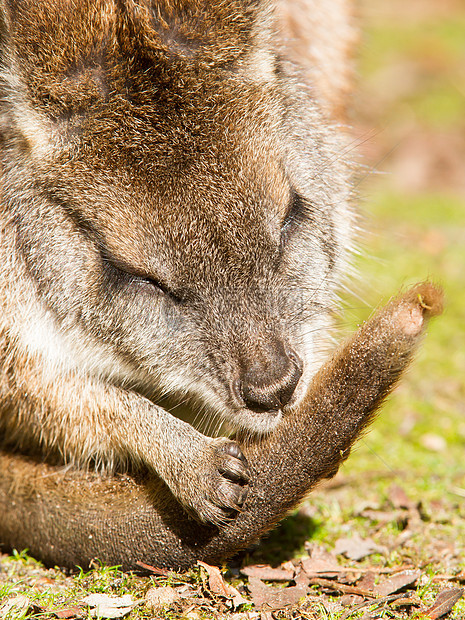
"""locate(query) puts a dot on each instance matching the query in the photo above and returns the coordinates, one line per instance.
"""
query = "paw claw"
(215, 490)
(233, 449)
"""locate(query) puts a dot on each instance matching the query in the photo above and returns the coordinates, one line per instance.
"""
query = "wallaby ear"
(213, 32)
(72, 54)
(321, 37)
(53, 52)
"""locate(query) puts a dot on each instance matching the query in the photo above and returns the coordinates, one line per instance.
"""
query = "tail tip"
(428, 297)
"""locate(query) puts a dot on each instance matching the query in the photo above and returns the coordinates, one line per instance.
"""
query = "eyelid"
(121, 265)
(129, 271)
(296, 213)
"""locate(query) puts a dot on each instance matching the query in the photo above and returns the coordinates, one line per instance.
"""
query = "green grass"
(431, 397)
(413, 234)
(417, 234)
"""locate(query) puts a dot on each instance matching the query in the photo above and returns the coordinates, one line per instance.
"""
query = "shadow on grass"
(283, 543)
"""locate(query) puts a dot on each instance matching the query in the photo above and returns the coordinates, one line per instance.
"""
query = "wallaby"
(175, 225)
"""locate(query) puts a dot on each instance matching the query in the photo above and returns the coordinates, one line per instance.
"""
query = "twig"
(460, 577)
(158, 571)
(342, 587)
(374, 569)
(378, 603)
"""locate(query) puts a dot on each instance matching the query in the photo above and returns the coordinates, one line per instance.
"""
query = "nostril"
(288, 390)
(295, 359)
(236, 392)
(258, 398)
(269, 385)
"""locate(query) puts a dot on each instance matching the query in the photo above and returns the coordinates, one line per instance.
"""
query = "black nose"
(268, 382)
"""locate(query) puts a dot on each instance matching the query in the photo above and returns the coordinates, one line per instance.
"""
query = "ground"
(386, 537)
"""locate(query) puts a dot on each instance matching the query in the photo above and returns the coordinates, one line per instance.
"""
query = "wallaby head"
(179, 204)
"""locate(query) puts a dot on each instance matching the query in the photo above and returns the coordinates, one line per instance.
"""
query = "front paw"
(216, 486)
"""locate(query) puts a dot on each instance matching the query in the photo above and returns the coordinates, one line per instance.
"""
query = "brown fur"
(70, 517)
(174, 223)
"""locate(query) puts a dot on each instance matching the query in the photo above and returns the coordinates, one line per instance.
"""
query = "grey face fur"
(174, 219)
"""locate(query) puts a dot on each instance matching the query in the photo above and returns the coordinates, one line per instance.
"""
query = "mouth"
(255, 422)
(223, 414)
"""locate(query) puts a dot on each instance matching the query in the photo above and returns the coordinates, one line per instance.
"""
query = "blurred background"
(409, 120)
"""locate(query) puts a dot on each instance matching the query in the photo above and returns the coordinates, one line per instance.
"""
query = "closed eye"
(122, 274)
(117, 271)
(297, 212)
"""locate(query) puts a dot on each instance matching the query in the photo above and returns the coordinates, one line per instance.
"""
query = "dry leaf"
(216, 581)
(322, 562)
(356, 548)
(301, 578)
(397, 582)
(367, 582)
(349, 600)
(19, 604)
(398, 497)
(236, 597)
(273, 596)
(106, 606)
(406, 602)
(267, 573)
(70, 612)
(218, 585)
(444, 603)
(165, 596)
(320, 568)
(154, 569)
(318, 552)
(43, 581)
